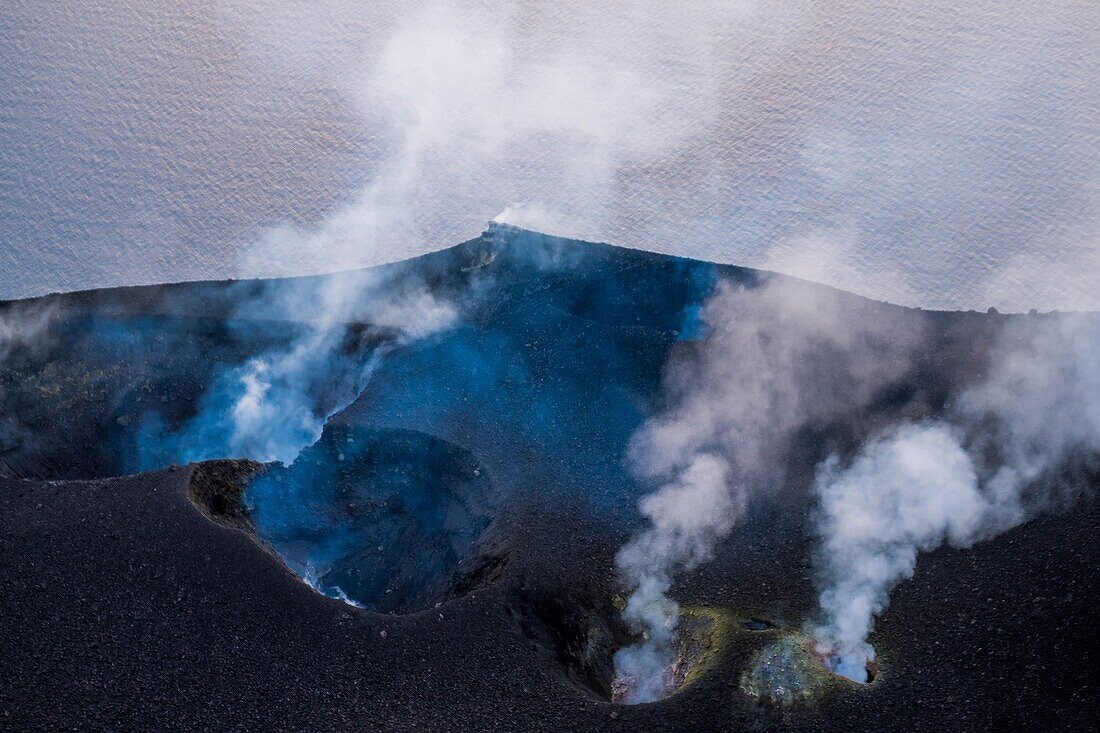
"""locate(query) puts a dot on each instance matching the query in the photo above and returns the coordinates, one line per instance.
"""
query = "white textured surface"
(915, 152)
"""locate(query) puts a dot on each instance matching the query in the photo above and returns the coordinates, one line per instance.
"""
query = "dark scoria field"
(469, 493)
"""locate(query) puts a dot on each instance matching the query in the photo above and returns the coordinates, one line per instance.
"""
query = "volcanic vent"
(693, 646)
(792, 667)
(859, 667)
(394, 521)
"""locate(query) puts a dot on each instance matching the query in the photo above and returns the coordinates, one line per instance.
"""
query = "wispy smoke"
(502, 103)
(998, 459)
(1041, 401)
(276, 415)
(536, 217)
(276, 403)
(458, 101)
(952, 149)
(688, 515)
(22, 327)
(776, 357)
(23, 331)
(911, 490)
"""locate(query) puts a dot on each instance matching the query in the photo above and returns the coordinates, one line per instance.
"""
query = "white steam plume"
(535, 216)
(919, 486)
(953, 150)
(276, 403)
(275, 414)
(776, 357)
(688, 514)
(502, 103)
(909, 491)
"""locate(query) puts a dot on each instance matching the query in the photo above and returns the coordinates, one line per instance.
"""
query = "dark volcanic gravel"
(125, 608)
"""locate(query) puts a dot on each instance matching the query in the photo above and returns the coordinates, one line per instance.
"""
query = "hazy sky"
(915, 152)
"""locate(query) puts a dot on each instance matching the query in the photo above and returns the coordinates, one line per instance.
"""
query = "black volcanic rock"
(487, 461)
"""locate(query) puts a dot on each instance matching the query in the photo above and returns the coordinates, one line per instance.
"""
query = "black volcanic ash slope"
(487, 462)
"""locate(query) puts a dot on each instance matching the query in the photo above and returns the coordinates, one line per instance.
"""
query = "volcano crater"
(391, 521)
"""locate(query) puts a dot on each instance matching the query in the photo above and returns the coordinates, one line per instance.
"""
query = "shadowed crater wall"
(217, 489)
(395, 521)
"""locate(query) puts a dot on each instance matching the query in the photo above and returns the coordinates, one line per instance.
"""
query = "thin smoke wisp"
(23, 330)
(996, 461)
(276, 403)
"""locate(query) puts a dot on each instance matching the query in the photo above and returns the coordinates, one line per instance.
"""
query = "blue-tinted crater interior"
(554, 365)
(383, 518)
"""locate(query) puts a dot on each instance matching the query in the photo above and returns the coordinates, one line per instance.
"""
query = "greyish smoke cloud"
(22, 326)
(277, 412)
(277, 402)
(23, 330)
(948, 148)
(462, 96)
(909, 491)
(776, 357)
(1000, 458)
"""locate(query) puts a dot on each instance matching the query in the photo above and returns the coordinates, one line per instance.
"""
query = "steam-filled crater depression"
(591, 485)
